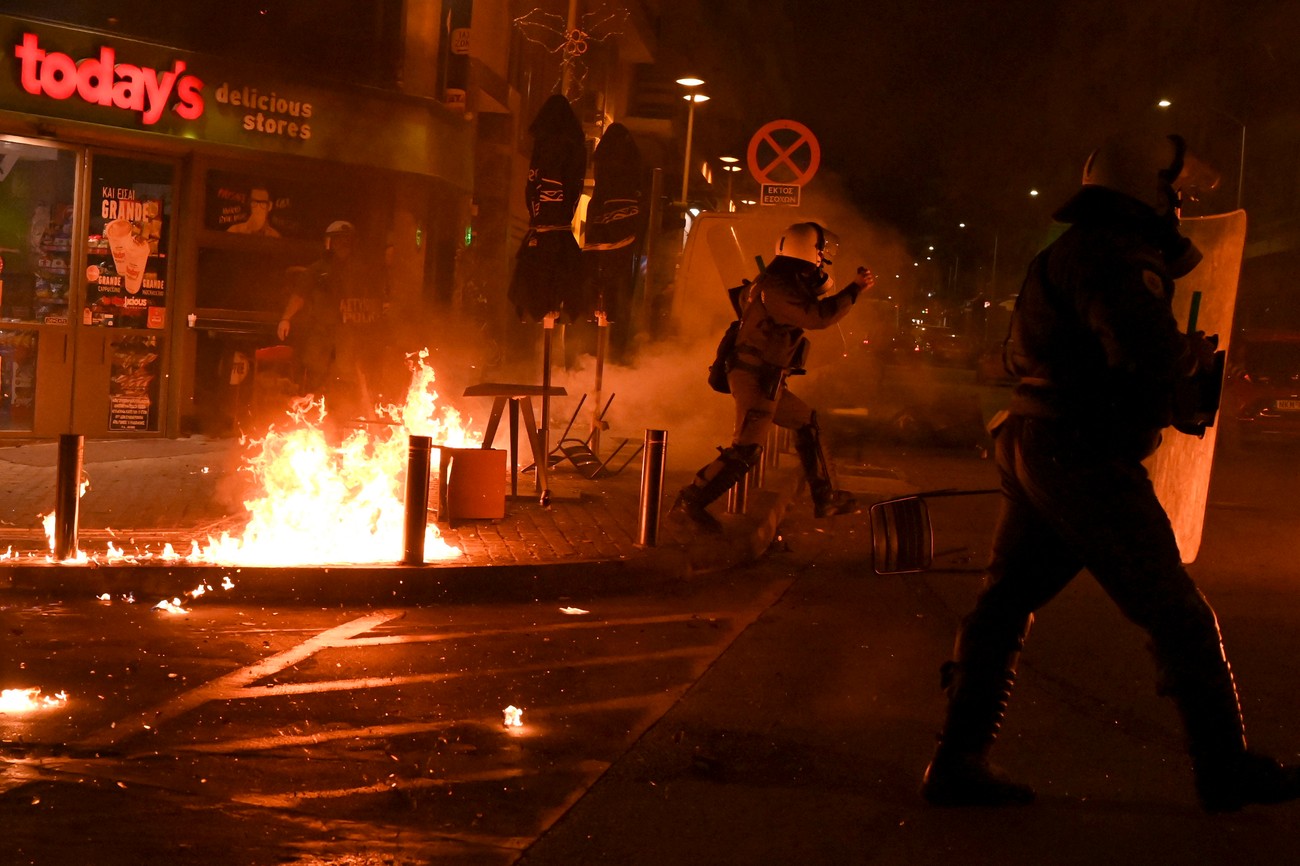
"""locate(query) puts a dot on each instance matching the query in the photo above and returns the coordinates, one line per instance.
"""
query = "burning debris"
(326, 504)
(321, 501)
(29, 700)
(176, 606)
(173, 606)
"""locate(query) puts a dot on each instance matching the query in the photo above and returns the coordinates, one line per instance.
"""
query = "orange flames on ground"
(29, 700)
(326, 502)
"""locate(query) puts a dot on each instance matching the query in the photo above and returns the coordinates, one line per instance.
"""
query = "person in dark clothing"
(791, 296)
(1098, 354)
(341, 304)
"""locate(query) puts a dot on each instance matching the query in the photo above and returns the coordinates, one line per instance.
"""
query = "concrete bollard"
(416, 511)
(67, 494)
(652, 485)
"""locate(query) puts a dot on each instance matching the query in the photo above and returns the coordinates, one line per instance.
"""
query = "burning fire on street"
(29, 700)
(321, 501)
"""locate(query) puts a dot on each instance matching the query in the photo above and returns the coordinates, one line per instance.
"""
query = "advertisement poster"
(133, 383)
(269, 207)
(126, 270)
(17, 378)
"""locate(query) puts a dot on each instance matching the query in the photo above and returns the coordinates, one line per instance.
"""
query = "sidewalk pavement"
(146, 493)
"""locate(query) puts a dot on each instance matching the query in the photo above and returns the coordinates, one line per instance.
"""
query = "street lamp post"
(730, 167)
(691, 97)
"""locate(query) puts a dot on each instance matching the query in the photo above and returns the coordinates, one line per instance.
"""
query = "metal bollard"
(738, 495)
(416, 513)
(67, 494)
(778, 440)
(652, 485)
(758, 472)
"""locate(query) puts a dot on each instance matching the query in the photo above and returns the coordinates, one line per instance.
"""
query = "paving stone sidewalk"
(143, 494)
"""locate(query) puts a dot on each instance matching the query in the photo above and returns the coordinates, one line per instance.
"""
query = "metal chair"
(902, 537)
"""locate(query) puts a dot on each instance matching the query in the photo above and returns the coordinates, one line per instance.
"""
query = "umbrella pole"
(602, 345)
(543, 460)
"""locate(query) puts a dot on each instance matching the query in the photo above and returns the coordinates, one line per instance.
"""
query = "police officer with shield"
(1099, 358)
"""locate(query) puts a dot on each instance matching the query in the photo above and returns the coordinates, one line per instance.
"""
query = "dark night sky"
(937, 111)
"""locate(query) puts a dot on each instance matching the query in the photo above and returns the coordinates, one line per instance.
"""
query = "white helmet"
(1145, 167)
(809, 242)
(339, 227)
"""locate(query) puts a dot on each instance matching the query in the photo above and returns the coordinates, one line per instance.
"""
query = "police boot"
(979, 685)
(1228, 775)
(711, 482)
(827, 501)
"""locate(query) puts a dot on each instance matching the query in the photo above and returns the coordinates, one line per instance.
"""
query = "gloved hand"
(864, 280)
(1203, 348)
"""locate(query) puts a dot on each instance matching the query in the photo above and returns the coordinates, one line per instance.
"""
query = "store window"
(261, 233)
(37, 185)
(36, 197)
(126, 271)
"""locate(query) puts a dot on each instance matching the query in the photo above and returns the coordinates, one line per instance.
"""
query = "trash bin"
(471, 484)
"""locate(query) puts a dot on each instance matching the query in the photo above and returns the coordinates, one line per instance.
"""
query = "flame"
(27, 700)
(324, 503)
(47, 521)
(514, 717)
(173, 606)
(320, 501)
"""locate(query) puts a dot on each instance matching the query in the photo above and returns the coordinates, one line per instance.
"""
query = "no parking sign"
(783, 156)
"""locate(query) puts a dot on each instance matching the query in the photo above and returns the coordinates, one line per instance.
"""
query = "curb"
(673, 560)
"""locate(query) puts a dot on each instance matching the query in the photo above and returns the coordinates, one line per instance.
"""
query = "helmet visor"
(830, 247)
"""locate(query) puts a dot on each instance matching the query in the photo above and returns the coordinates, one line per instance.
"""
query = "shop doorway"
(84, 276)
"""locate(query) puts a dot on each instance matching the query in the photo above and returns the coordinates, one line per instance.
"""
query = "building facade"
(163, 171)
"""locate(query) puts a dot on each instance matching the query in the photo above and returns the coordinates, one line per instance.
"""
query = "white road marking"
(290, 801)
(321, 686)
(383, 640)
(235, 680)
(410, 729)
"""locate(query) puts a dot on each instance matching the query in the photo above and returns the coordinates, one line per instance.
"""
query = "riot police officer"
(1099, 356)
(792, 295)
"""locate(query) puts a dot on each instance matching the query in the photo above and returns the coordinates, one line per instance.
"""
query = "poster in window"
(133, 383)
(126, 270)
(17, 378)
(256, 206)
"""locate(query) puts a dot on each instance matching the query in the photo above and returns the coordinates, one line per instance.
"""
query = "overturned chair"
(579, 451)
(902, 537)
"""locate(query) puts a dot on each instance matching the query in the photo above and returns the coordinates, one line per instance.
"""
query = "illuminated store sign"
(85, 77)
(103, 81)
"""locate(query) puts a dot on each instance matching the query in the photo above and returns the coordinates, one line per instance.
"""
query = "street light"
(1241, 158)
(692, 97)
(730, 167)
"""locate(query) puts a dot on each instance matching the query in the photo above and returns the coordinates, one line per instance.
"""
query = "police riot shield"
(1180, 468)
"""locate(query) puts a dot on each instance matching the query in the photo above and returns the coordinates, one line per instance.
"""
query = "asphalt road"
(780, 714)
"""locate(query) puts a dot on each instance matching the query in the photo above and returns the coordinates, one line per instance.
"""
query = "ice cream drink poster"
(126, 269)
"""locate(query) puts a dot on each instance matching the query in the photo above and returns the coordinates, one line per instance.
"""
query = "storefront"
(151, 204)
